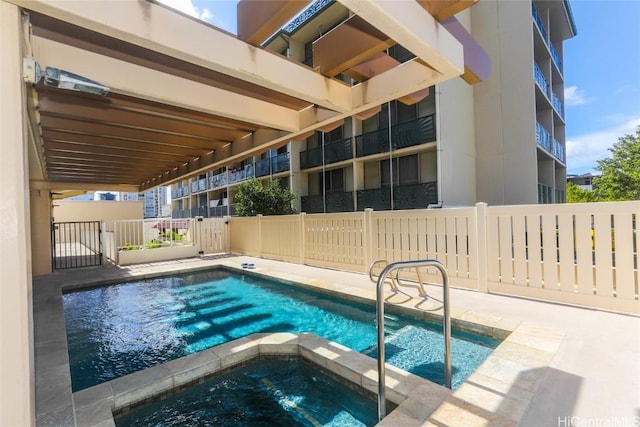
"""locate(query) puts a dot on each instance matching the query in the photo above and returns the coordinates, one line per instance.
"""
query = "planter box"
(159, 254)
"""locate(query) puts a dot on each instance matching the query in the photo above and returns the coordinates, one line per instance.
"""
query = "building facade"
(500, 141)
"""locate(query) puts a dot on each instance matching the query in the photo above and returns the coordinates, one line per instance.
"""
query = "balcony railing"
(202, 184)
(543, 137)
(540, 79)
(181, 213)
(194, 186)
(338, 201)
(414, 132)
(409, 196)
(558, 150)
(555, 56)
(333, 152)
(557, 104)
(306, 15)
(276, 164)
(203, 211)
(220, 211)
(280, 163)
(217, 181)
(243, 174)
(538, 20)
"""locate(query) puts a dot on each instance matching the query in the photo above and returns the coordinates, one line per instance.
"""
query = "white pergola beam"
(395, 83)
(411, 26)
(163, 30)
(140, 82)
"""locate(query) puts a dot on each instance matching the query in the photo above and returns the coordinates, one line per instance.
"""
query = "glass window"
(405, 171)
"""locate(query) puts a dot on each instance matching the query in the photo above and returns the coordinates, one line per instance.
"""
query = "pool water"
(262, 393)
(119, 329)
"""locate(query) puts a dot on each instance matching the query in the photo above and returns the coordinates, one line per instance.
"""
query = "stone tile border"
(497, 393)
(416, 397)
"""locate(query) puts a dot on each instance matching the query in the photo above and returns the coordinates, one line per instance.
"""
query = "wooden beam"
(348, 44)
(416, 30)
(145, 24)
(443, 9)
(144, 83)
(119, 143)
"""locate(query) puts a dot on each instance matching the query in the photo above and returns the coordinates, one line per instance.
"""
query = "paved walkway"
(594, 378)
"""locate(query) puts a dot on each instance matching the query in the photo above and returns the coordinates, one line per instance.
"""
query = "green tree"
(620, 179)
(577, 194)
(255, 198)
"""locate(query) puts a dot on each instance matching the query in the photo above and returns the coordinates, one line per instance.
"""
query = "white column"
(16, 322)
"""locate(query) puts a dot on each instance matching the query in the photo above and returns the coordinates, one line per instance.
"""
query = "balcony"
(218, 181)
(280, 163)
(238, 175)
(199, 212)
(338, 201)
(333, 152)
(407, 134)
(558, 150)
(409, 196)
(538, 20)
(557, 104)
(543, 137)
(180, 213)
(540, 79)
(556, 57)
(276, 164)
(220, 211)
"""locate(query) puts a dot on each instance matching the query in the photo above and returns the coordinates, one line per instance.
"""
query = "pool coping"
(498, 392)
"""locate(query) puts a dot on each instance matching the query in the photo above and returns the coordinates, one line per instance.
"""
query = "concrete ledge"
(96, 405)
(141, 256)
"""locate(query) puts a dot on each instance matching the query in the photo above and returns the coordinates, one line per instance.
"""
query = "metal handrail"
(446, 324)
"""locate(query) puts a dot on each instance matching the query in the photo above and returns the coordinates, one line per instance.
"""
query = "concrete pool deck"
(594, 376)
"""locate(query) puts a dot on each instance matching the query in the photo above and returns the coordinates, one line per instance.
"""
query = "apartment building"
(500, 141)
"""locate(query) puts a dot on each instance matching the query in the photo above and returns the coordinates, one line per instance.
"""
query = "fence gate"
(76, 244)
(211, 235)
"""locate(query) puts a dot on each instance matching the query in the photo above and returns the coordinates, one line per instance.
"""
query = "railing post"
(481, 245)
(367, 239)
(259, 235)
(303, 246)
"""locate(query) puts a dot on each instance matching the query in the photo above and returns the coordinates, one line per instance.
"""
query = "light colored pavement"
(593, 380)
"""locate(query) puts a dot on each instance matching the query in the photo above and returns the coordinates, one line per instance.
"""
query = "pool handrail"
(446, 324)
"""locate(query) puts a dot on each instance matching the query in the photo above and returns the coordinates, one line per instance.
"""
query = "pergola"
(185, 96)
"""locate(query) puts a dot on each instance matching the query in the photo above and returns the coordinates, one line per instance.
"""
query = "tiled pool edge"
(95, 405)
(498, 392)
(506, 381)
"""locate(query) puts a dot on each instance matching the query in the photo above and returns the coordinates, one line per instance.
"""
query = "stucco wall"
(97, 210)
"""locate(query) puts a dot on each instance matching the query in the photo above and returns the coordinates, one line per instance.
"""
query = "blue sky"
(601, 66)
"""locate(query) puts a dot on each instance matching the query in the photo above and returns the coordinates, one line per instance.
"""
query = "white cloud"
(584, 151)
(574, 96)
(186, 6)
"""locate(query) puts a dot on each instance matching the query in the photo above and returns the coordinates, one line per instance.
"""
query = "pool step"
(413, 349)
(288, 404)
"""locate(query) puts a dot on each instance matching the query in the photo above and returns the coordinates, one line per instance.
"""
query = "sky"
(601, 72)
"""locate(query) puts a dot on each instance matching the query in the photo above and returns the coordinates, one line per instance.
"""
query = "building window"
(333, 180)
(406, 171)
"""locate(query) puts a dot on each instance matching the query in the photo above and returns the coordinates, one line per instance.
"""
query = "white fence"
(582, 254)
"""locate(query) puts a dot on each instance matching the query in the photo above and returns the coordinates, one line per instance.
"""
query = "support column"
(17, 388)
(40, 205)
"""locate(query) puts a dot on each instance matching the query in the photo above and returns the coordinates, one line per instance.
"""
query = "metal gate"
(76, 244)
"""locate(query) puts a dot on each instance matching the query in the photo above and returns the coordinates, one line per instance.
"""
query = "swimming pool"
(119, 329)
(280, 392)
